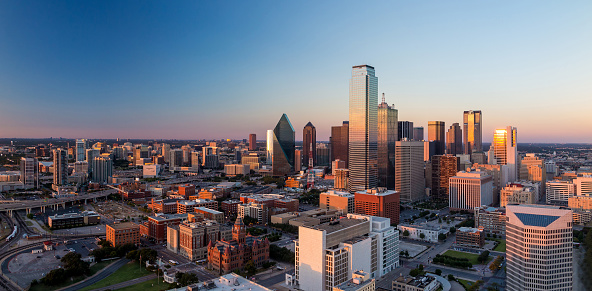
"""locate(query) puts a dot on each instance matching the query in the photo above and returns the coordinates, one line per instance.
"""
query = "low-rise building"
(360, 281)
(520, 193)
(337, 200)
(470, 237)
(254, 210)
(187, 206)
(580, 202)
(123, 233)
(156, 226)
(69, 220)
(491, 219)
(430, 233)
(230, 207)
(232, 170)
(192, 238)
(582, 217)
(210, 214)
(228, 282)
(167, 206)
(419, 283)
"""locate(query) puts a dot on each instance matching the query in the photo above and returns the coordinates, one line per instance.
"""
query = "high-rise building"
(80, 149)
(101, 168)
(269, 147)
(436, 133)
(309, 140)
(473, 141)
(140, 152)
(454, 140)
(60, 167)
(409, 170)
(298, 161)
(210, 157)
(418, 133)
(469, 190)
(252, 142)
(175, 158)
(91, 154)
(29, 172)
(340, 179)
(406, 130)
(443, 167)
(533, 169)
(379, 202)
(194, 160)
(583, 185)
(329, 253)
(539, 248)
(335, 200)
(387, 136)
(323, 154)
(165, 151)
(340, 142)
(283, 147)
(559, 191)
(363, 129)
(504, 148)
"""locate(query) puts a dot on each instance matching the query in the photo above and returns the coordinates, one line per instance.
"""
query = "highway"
(12, 205)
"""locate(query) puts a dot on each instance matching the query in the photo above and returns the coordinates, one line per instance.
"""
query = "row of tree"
(72, 265)
(452, 261)
(281, 254)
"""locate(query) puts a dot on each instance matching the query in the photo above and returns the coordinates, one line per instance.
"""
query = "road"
(130, 283)
(28, 204)
(97, 277)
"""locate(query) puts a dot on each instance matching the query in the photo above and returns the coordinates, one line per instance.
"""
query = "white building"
(388, 240)
(253, 210)
(583, 185)
(236, 169)
(559, 191)
(151, 171)
(468, 190)
(539, 248)
(430, 234)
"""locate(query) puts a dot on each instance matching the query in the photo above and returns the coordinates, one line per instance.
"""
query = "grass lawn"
(125, 273)
(472, 257)
(467, 284)
(93, 270)
(501, 247)
(147, 286)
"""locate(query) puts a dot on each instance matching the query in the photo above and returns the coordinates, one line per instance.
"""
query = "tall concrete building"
(140, 152)
(298, 161)
(473, 137)
(505, 151)
(283, 147)
(60, 167)
(443, 168)
(409, 170)
(520, 193)
(29, 172)
(583, 185)
(469, 190)
(559, 191)
(340, 142)
(363, 129)
(329, 253)
(387, 136)
(81, 145)
(406, 130)
(165, 152)
(454, 140)
(269, 147)
(175, 158)
(533, 169)
(101, 168)
(379, 202)
(252, 142)
(436, 133)
(309, 140)
(335, 200)
(341, 176)
(539, 248)
(418, 133)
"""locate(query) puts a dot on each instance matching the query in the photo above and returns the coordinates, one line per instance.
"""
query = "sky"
(224, 69)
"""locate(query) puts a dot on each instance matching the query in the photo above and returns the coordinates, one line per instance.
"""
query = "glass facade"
(436, 130)
(387, 136)
(283, 147)
(309, 136)
(269, 157)
(454, 140)
(472, 132)
(406, 130)
(340, 142)
(363, 129)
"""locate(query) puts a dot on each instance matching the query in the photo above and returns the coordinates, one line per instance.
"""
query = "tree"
(439, 220)
(420, 267)
(441, 236)
(73, 265)
(421, 235)
(54, 277)
(250, 267)
(438, 272)
(450, 277)
(414, 273)
(104, 243)
(186, 279)
(452, 229)
(406, 233)
(30, 216)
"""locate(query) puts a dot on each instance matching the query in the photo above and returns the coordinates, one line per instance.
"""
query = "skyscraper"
(102, 168)
(405, 130)
(283, 147)
(436, 130)
(298, 160)
(309, 137)
(418, 133)
(539, 248)
(409, 172)
(80, 149)
(454, 140)
(468, 190)
(269, 146)
(165, 150)
(472, 132)
(443, 167)
(30, 172)
(504, 148)
(252, 142)
(363, 129)
(387, 136)
(60, 167)
(340, 142)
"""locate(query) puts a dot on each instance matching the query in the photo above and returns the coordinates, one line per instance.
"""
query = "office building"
(443, 167)
(141, 152)
(583, 185)
(378, 202)
(252, 160)
(418, 283)
(436, 133)
(101, 169)
(194, 237)
(469, 190)
(323, 156)
(470, 237)
(298, 161)
(81, 145)
(283, 147)
(252, 142)
(343, 202)
(60, 167)
(491, 219)
(207, 214)
(165, 152)
(409, 170)
(257, 211)
(309, 143)
(533, 169)
(210, 157)
(29, 172)
(504, 148)
(123, 233)
(340, 179)
(522, 192)
(175, 159)
(328, 254)
(405, 130)
(418, 133)
(580, 203)
(340, 142)
(539, 248)
(69, 220)
(337, 164)
(269, 147)
(363, 129)
(559, 191)
(454, 144)
(472, 132)
(387, 136)
(233, 170)
(156, 226)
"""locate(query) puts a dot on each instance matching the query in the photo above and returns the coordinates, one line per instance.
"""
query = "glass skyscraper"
(363, 129)
(436, 133)
(283, 147)
(309, 136)
(387, 136)
(269, 156)
(473, 141)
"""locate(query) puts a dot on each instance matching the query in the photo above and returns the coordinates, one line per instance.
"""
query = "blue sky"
(224, 69)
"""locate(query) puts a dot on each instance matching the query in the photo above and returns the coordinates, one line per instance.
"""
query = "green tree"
(452, 229)
(250, 267)
(54, 277)
(186, 279)
(438, 272)
(73, 264)
(406, 233)
(441, 236)
(30, 216)
(414, 273)
(450, 277)
(421, 235)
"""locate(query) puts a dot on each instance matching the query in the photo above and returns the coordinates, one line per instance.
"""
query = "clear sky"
(224, 69)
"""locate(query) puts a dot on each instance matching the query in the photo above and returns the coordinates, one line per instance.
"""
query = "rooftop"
(338, 225)
(227, 282)
(124, 225)
(204, 209)
(419, 281)
(163, 217)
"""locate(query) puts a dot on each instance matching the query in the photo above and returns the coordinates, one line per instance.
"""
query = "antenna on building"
(383, 100)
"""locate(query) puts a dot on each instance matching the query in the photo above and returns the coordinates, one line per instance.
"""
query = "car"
(57, 257)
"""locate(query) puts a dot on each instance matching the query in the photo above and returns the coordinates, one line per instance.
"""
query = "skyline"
(160, 72)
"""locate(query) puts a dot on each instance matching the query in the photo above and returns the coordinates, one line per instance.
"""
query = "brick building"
(230, 207)
(167, 206)
(69, 220)
(187, 206)
(156, 226)
(470, 237)
(378, 202)
(187, 190)
(123, 233)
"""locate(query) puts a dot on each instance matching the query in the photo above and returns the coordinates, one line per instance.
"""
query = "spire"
(383, 101)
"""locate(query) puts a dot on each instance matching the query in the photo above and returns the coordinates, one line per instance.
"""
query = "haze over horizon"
(214, 70)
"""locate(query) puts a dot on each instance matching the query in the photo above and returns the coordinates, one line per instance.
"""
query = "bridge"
(9, 206)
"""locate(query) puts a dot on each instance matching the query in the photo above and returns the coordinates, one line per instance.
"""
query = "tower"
(454, 140)
(252, 142)
(436, 131)
(310, 176)
(505, 151)
(363, 129)
(340, 142)
(387, 136)
(283, 147)
(60, 167)
(472, 132)
(309, 144)
(239, 231)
